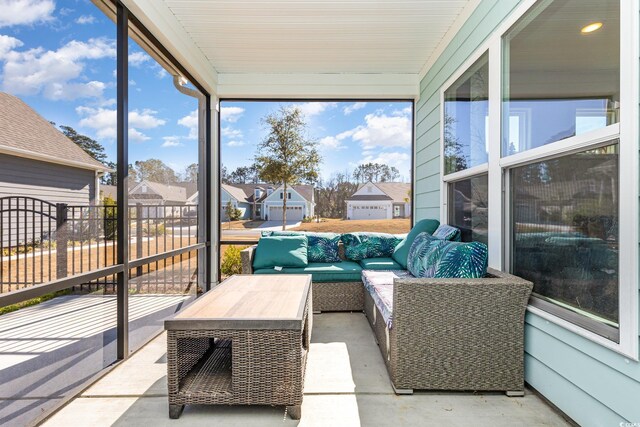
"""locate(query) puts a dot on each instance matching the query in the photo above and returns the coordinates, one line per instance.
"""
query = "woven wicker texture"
(455, 334)
(238, 367)
(327, 296)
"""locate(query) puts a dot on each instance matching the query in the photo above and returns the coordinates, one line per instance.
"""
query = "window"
(466, 109)
(281, 195)
(558, 81)
(289, 195)
(560, 85)
(565, 231)
(468, 207)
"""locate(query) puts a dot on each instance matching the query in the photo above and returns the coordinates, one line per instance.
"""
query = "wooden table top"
(248, 302)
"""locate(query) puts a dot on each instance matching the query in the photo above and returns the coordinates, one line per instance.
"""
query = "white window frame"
(497, 168)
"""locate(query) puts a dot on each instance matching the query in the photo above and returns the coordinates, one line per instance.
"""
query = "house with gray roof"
(380, 200)
(158, 199)
(39, 161)
(265, 201)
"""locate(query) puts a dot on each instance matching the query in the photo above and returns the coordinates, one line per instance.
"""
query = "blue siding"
(591, 384)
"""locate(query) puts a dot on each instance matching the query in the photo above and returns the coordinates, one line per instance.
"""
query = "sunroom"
(524, 127)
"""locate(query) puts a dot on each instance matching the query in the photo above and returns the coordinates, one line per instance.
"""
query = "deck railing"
(42, 241)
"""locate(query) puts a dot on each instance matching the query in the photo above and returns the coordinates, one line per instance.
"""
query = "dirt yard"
(393, 226)
(241, 225)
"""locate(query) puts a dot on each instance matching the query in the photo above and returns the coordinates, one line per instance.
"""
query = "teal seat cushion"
(321, 247)
(281, 251)
(345, 271)
(447, 232)
(362, 245)
(382, 263)
(401, 251)
(436, 258)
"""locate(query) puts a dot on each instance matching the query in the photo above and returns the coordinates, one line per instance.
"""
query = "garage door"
(294, 213)
(369, 212)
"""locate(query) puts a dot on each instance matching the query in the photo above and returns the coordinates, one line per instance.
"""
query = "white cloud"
(54, 73)
(138, 58)
(162, 73)
(103, 122)
(235, 143)
(353, 107)
(172, 141)
(144, 119)
(381, 130)
(7, 44)
(137, 136)
(22, 12)
(335, 142)
(310, 109)
(231, 114)
(229, 132)
(399, 160)
(86, 19)
(190, 121)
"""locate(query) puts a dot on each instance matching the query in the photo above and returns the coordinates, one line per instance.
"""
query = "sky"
(348, 133)
(60, 58)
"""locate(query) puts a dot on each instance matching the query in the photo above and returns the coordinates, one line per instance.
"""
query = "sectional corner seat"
(434, 334)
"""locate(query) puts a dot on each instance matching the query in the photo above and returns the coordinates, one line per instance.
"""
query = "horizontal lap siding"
(592, 385)
(47, 181)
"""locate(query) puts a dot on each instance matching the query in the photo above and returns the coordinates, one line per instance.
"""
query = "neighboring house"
(381, 200)
(39, 161)
(159, 200)
(262, 201)
(300, 203)
(238, 199)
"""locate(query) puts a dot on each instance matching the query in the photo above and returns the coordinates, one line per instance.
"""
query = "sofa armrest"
(246, 256)
(459, 334)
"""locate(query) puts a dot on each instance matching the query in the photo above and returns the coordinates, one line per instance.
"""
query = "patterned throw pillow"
(322, 247)
(419, 248)
(447, 232)
(435, 258)
(361, 245)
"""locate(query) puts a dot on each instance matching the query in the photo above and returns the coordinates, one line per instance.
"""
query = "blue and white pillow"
(447, 232)
(322, 247)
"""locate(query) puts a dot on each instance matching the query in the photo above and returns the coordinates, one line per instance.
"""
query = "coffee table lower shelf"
(209, 371)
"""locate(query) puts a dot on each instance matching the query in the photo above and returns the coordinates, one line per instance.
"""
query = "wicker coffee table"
(245, 342)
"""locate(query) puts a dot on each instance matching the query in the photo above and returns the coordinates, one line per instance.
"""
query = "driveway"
(277, 225)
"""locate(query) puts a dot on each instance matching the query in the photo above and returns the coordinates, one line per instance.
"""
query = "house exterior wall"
(593, 385)
(47, 181)
(296, 200)
(245, 207)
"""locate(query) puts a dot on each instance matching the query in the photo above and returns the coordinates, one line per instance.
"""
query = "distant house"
(39, 161)
(300, 203)
(159, 200)
(263, 201)
(381, 200)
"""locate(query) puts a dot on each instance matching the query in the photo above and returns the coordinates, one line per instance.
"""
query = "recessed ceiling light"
(594, 26)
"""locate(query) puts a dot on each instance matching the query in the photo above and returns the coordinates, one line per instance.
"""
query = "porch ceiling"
(318, 36)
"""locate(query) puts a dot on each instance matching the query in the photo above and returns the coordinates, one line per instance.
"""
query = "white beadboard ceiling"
(317, 36)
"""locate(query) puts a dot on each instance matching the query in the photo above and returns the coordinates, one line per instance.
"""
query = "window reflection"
(558, 81)
(565, 230)
(466, 112)
(468, 209)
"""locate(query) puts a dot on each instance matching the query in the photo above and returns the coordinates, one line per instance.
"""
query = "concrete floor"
(346, 385)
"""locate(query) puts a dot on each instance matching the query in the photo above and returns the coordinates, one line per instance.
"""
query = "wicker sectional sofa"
(442, 334)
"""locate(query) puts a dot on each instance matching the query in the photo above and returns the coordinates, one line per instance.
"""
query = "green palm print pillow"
(361, 245)
(435, 258)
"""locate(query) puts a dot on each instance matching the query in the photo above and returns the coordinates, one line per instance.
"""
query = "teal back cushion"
(281, 251)
(401, 251)
(321, 247)
(447, 232)
(436, 258)
(361, 245)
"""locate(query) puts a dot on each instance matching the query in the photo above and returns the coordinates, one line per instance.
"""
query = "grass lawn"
(241, 225)
(393, 226)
